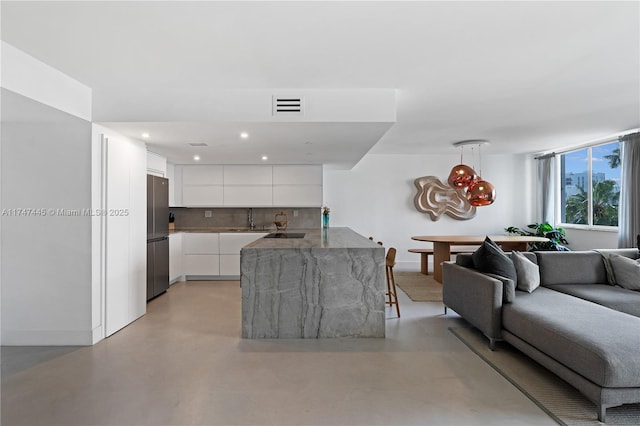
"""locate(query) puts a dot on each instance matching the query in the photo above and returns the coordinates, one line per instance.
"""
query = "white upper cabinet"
(297, 186)
(297, 175)
(202, 175)
(248, 186)
(297, 195)
(156, 164)
(202, 195)
(248, 195)
(202, 186)
(248, 175)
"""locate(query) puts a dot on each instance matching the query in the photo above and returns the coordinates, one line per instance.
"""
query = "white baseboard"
(212, 277)
(97, 334)
(177, 279)
(47, 337)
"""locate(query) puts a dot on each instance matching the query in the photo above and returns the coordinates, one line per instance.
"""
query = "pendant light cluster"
(479, 192)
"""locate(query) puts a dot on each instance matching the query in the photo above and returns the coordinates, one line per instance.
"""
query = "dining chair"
(392, 293)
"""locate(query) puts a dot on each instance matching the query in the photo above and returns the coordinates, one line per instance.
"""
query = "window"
(590, 185)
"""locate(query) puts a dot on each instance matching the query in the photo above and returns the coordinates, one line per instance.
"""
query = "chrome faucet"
(252, 225)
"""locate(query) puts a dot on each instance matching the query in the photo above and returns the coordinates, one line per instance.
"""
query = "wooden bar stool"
(391, 281)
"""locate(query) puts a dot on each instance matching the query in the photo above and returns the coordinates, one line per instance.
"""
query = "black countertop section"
(285, 235)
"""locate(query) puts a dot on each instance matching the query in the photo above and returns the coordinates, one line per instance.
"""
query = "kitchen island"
(330, 283)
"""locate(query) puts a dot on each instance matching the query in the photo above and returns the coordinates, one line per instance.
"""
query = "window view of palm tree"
(590, 188)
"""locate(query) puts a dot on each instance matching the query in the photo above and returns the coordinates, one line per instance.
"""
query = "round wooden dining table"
(442, 245)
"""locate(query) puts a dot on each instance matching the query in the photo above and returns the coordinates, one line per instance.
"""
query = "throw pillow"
(611, 277)
(490, 258)
(528, 272)
(627, 271)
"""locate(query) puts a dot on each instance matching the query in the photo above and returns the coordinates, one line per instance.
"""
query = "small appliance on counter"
(157, 236)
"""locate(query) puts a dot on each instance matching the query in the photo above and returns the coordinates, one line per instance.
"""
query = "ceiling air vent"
(198, 144)
(288, 105)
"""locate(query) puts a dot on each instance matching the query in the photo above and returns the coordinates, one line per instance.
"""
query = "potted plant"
(556, 236)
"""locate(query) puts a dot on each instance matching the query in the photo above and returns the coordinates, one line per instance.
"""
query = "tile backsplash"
(263, 217)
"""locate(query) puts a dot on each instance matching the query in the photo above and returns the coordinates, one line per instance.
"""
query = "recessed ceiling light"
(196, 157)
(145, 135)
(265, 158)
(244, 135)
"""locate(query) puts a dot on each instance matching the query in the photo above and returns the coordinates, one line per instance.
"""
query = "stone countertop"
(331, 238)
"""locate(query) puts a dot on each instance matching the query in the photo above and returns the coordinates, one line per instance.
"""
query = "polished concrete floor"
(184, 363)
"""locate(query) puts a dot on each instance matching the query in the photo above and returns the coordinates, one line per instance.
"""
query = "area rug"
(561, 401)
(419, 287)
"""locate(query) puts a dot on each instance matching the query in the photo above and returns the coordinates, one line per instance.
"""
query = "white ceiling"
(528, 76)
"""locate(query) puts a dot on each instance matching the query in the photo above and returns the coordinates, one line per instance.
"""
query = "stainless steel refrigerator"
(157, 236)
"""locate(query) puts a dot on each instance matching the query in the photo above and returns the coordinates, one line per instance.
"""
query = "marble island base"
(321, 286)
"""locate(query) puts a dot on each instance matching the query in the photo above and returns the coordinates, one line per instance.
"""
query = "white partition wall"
(122, 229)
(46, 240)
(45, 254)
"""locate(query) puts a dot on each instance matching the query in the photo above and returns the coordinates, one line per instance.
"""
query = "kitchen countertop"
(331, 238)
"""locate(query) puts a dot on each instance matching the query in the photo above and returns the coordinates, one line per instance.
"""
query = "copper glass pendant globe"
(461, 176)
(481, 193)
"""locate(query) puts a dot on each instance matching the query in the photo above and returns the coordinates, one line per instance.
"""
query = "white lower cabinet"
(201, 243)
(230, 246)
(201, 254)
(202, 264)
(214, 255)
(230, 265)
(176, 267)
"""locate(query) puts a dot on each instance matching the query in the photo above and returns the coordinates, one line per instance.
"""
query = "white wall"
(45, 264)
(375, 199)
(584, 239)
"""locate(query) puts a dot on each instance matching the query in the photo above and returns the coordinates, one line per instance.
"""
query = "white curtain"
(629, 213)
(546, 189)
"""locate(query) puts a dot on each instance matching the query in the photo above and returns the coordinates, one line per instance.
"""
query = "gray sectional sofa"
(575, 324)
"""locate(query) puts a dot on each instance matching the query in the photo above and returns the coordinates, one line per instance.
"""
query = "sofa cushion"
(465, 259)
(491, 259)
(626, 271)
(571, 267)
(527, 271)
(616, 298)
(596, 342)
(606, 253)
(508, 286)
